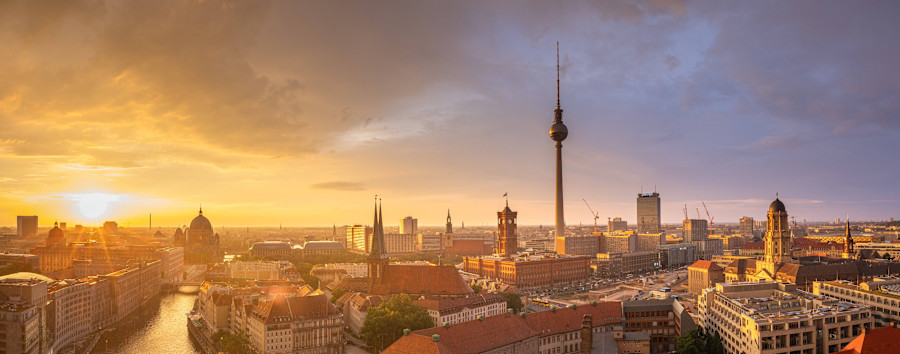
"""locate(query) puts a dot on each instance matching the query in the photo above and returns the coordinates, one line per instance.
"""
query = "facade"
(22, 313)
(271, 249)
(578, 245)
(57, 258)
(311, 248)
(882, 296)
(658, 318)
(704, 274)
(650, 242)
(296, 324)
(746, 227)
(355, 307)
(530, 271)
(648, 213)
(408, 225)
(30, 259)
(772, 317)
(695, 230)
(565, 330)
(68, 313)
(358, 238)
(677, 254)
(616, 224)
(881, 248)
(26, 226)
(619, 242)
(433, 242)
(617, 264)
(452, 311)
(400, 243)
(710, 247)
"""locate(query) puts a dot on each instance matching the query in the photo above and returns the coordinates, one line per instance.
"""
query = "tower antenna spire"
(557, 74)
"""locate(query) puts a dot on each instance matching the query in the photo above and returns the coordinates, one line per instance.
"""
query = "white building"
(882, 296)
(464, 309)
(771, 317)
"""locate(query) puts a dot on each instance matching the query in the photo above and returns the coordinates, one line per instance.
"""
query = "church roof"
(777, 206)
(877, 341)
(421, 280)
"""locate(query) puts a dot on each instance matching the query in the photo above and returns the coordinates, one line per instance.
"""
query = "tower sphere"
(559, 132)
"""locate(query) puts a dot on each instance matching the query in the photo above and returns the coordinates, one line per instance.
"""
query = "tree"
(477, 288)
(385, 323)
(310, 279)
(886, 255)
(691, 343)
(513, 301)
(336, 294)
(698, 342)
(232, 342)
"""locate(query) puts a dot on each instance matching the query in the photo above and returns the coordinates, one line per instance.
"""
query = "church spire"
(848, 242)
(449, 223)
(378, 249)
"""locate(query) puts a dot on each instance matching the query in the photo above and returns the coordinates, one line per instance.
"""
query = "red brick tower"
(507, 241)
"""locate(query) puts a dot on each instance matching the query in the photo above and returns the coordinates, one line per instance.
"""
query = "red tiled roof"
(422, 280)
(288, 309)
(416, 344)
(441, 305)
(884, 340)
(497, 331)
(468, 246)
(705, 265)
(754, 246)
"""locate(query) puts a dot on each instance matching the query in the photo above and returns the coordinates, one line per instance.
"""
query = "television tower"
(559, 132)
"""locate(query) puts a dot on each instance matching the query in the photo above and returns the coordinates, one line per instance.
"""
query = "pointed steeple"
(848, 241)
(378, 249)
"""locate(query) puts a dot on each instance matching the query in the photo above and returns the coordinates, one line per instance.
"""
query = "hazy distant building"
(26, 226)
(617, 264)
(358, 238)
(677, 254)
(110, 228)
(695, 230)
(400, 243)
(409, 225)
(617, 224)
(746, 227)
(648, 215)
(202, 243)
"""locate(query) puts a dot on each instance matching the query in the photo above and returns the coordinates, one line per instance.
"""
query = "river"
(161, 327)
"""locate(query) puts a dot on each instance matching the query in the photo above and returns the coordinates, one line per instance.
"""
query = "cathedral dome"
(777, 206)
(56, 232)
(200, 229)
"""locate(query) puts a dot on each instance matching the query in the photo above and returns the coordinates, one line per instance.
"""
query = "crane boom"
(594, 213)
(708, 217)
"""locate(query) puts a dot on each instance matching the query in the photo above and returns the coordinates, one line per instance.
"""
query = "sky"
(300, 112)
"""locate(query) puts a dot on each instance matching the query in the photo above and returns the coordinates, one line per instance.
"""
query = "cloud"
(339, 186)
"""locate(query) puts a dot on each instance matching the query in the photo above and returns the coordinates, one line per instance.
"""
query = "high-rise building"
(409, 226)
(746, 227)
(648, 215)
(358, 238)
(558, 132)
(112, 228)
(695, 230)
(26, 226)
(507, 240)
(617, 224)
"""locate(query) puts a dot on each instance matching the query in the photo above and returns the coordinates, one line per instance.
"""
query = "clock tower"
(507, 241)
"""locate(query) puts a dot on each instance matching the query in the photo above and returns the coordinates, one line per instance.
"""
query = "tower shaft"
(560, 219)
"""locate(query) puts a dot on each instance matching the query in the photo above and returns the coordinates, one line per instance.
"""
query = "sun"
(94, 205)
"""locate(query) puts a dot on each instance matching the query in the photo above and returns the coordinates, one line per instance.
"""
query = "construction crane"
(708, 217)
(594, 213)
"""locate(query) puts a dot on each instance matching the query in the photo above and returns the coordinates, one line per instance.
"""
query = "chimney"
(587, 334)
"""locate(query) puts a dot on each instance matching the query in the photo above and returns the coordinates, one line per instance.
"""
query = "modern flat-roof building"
(358, 238)
(618, 264)
(578, 245)
(695, 230)
(882, 295)
(616, 224)
(26, 226)
(677, 254)
(773, 317)
(648, 213)
(619, 242)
